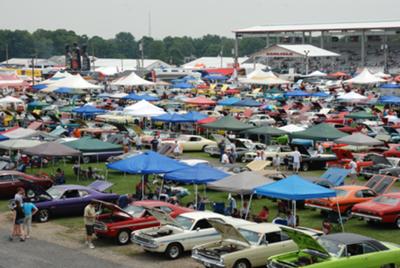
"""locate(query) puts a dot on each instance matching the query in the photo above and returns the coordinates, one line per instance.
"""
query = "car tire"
(43, 215)
(204, 148)
(123, 237)
(242, 263)
(347, 212)
(305, 167)
(174, 251)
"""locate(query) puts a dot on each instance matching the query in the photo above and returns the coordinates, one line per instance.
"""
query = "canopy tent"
(389, 100)
(88, 110)
(260, 77)
(18, 144)
(365, 77)
(132, 80)
(201, 100)
(297, 93)
(323, 132)
(291, 128)
(12, 80)
(248, 103)
(228, 123)
(215, 77)
(18, 133)
(207, 120)
(70, 91)
(56, 77)
(390, 86)
(294, 51)
(266, 130)
(359, 139)
(361, 115)
(136, 97)
(320, 95)
(88, 144)
(182, 85)
(72, 81)
(352, 97)
(194, 116)
(10, 100)
(382, 75)
(52, 149)
(171, 118)
(117, 95)
(316, 74)
(197, 174)
(229, 101)
(143, 108)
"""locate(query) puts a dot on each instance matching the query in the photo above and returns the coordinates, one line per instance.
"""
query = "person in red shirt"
(262, 215)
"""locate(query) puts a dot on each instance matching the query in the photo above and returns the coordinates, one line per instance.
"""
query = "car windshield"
(332, 247)
(340, 192)
(185, 222)
(135, 211)
(387, 200)
(252, 237)
(55, 193)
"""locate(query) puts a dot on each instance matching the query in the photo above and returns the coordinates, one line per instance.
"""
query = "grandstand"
(360, 44)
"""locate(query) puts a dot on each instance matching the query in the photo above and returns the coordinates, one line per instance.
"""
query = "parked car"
(261, 120)
(310, 159)
(270, 152)
(118, 223)
(11, 180)
(394, 151)
(192, 142)
(382, 165)
(182, 233)
(384, 208)
(246, 246)
(214, 151)
(349, 195)
(337, 250)
(67, 199)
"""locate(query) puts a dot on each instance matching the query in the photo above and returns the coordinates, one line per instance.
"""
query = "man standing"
(29, 210)
(154, 144)
(138, 142)
(89, 217)
(353, 171)
(296, 160)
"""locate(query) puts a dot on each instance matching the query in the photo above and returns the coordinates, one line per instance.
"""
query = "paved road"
(36, 253)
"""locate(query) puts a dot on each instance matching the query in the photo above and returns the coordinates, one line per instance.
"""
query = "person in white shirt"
(296, 160)
(353, 170)
(277, 162)
(320, 148)
(225, 158)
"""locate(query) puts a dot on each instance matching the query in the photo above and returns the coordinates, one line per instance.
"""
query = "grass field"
(126, 184)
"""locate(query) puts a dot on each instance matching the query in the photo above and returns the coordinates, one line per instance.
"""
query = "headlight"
(195, 251)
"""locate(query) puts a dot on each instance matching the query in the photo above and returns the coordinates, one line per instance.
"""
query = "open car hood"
(381, 183)
(304, 241)
(377, 159)
(227, 231)
(113, 207)
(36, 189)
(100, 186)
(162, 217)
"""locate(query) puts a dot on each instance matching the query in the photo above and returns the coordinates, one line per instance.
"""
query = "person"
(178, 149)
(296, 160)
(59, 177)
(277, 162)
(76, 133)
(18, 221)
(326, 227)
(29, 210)
(76, 168)
(258, 156)
(320, 148)
(262, 215)
(124, 200)
(126, 142)
(221, 147)
(245, 209)
(291, 219)
(231, 205)
(89, 217)
(225, 158)
(234, 154)
(353, 170)
(138, 142)
(19, 196)
(154, 144)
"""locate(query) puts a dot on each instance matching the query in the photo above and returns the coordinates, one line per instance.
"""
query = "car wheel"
(43, 215)
(305, 167)
(86, 159)
(242, 264)
(123, 237)
(347, 213)
(398, 222)
(204, 148)
(174, 251)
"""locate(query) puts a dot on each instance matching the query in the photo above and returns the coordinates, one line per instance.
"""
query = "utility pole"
(33, 70)
(141, 48)
(7, 53)
(149, 23)
(306, 52)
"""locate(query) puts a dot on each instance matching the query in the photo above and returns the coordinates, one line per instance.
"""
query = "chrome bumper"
(318, 207)
(143, 244)
(366, 216)
(207, 262)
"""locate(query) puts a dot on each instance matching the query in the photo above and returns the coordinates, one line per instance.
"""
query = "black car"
(309, 159)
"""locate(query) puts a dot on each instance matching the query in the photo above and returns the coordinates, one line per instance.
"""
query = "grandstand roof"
(344, 26)
(294, 50)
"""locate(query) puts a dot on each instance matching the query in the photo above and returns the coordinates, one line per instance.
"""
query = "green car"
(341, 250)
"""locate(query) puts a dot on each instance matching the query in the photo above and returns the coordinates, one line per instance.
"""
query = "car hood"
(228, 232)
(100, 185)
(373, 206)
(304, 241)
(113, 207)
(378, 159)
(37, 189)
(162, 217)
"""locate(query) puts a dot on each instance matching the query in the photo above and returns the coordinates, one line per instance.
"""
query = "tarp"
(297, 93)
(172, 118)
(182, 85)
(242, 183)
(248, 102)
(201, 100)
(228, 101)
(194, 116)
(10, 100)
(88, 110)
(88, 144)
(18, 133)
(132, 80)
(361, 115)
(18, 144)
(198, 174)
(320, 95)
(136, 97)
(294, 188)
(266, 130)
(148, 162)
(321, 132)
(359, 139)
(52, 149)
(389, 100)
(228, 123)
(365, 77)
(143, 108)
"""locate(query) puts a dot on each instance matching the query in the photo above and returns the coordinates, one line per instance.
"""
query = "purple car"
(65, 200)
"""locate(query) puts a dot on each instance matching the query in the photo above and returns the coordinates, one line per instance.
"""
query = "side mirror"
(198, 229)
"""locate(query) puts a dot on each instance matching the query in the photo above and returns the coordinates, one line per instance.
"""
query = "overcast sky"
(184, 17)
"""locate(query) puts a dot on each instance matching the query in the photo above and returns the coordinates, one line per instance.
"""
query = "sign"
(28, 72)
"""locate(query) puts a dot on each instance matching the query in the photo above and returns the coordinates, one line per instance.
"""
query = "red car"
(385, 208)
(394, 151)
(119, 223)
(344, 158)
(10, 180)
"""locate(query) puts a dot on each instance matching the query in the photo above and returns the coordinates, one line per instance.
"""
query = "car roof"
(72, 187)
(151, 203)
(262, 227)
(352, 187)
(197, 215)
(351, 238)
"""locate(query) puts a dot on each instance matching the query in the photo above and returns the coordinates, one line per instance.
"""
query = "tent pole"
(79, 167)
(241, 200)
(161, 187)
(294, 213)
(248, 208)
(142, 187)
(340, 215)
(196, 199)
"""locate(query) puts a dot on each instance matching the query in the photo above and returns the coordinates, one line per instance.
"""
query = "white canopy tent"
(365, 78)
(143, 109)
(10, 100)
(294, 51)
(292, 128)
(72, 81)
(260, 77)
(19, 133)
(352, 97)
(316, 74)
(382, 75)
(132, 80)
(55, 78)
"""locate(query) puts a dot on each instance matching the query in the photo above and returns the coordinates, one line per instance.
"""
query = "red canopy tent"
(12, 80)
(201, 100)
(232, 91)
(223, 71)
(207, 120)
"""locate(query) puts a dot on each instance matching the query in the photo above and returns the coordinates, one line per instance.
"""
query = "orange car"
(344, 158)
(349, 195)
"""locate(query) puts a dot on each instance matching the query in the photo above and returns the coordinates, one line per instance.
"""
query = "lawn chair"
(219, 207)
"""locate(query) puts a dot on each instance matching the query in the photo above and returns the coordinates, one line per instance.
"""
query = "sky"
(192, 18)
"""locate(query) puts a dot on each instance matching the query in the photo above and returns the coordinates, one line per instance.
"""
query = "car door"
(202, 232)
(68, 204)
(360, 255)
(7, 186)
(193, 144)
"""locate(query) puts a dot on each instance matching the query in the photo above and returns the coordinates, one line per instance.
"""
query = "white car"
(270, 152)
(183, 233)
(261, 120)
(192, 142)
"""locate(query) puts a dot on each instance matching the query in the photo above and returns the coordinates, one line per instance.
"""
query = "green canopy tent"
(267, 131)
(228, 123)
(361, 115)
(322, 132)
(274, 91)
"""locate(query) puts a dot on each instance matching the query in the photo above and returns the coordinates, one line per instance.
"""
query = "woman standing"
(18, 221)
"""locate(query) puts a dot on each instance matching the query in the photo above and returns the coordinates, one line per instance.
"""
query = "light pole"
(385, 49)
(306, 52)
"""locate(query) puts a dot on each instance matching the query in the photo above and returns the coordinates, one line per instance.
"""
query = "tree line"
(174, 50)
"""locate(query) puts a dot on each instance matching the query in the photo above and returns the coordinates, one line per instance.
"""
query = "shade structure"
(12, 80)
(316, 74)
(259, 77)
(148, 162)
(52, 149)
(171, 118)
(143, 108)
(320, 95)
(207, 120)
(390, 86)
(323, 132)
(198, 174)
(294, 188)
(242, 183)
(201, 100)
(228, 123)
(292, 128)
(297, 93)
(37, 105)
(248, 103)
(88, 144)
(361, 115)
(389, 100)
(39, 86)
(365, 77)
(19, 133)
(267, 130)
(194, 116)
(18, 144)
(215, 77)
(182, 85)
(71, 81)
(132, 80)
(10, 100)
(70, 91)
(359, 139)
(352, 97)
(136, 97)
(228, 101)
(88, 110)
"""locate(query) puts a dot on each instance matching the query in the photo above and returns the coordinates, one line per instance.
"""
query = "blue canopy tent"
(248, 103)
(197, 174)
(146, 97)
(390, 86)
(3, 138)
(184, 79)
(39, 86)
(215, 77)
(88, 110)
(229, 101)
(147, 163)
(294, 188)
(183, 85)
(320, 95)
(194, 116)
(297, 93)
(171, 118)
(389, 100)
(63, 90)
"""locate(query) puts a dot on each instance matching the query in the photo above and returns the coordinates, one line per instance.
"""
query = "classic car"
(261, 120)
(10, 180)
(349, 195)
(344, 157)
(246, 246)
(394, 151)
(310, 159)
(382, 165)
(214, 151)
(384, 208)
(186, 231)
(337, 250)
(118, 223)
(270, 152)
(67, 199)
(192, 142)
